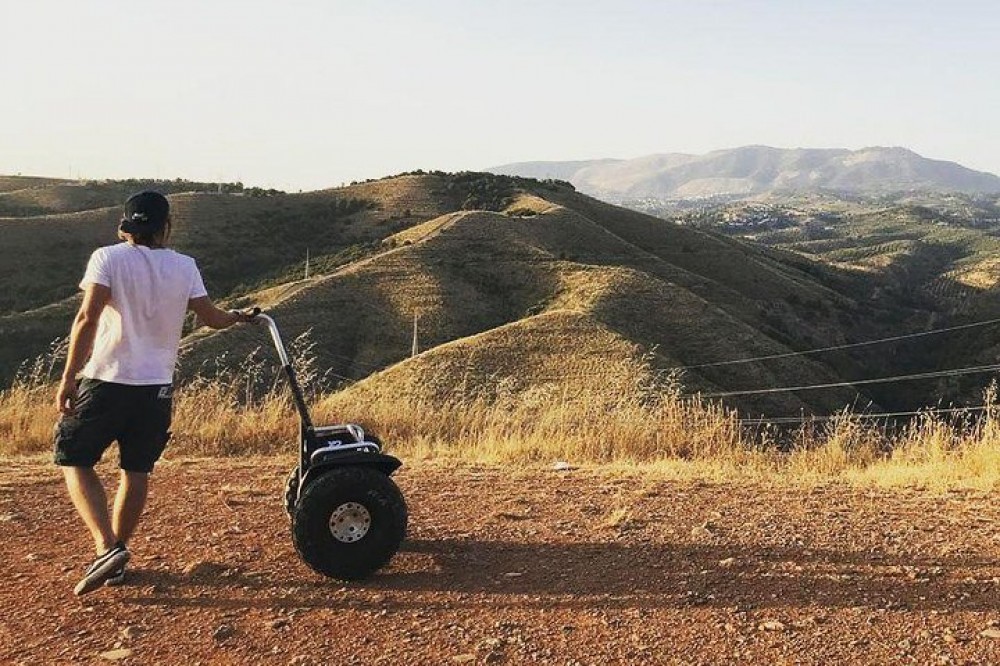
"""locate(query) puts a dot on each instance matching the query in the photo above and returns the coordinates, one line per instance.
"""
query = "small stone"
(990, 633)
(463, 658)
(131, 632)
(203, 568)
(223, 632)
(562, 466)
(116, 655)
(727, 563)
(702, 532)
(772, 625)
(278, 623)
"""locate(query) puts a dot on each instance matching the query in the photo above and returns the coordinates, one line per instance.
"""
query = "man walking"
(124, 341)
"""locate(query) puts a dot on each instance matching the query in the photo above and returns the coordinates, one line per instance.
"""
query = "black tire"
(291, 492)
(340, 486)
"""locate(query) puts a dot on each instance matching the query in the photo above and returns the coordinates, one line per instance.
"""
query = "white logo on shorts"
(165, 393)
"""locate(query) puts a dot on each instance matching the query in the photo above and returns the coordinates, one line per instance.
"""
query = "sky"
(305, 94)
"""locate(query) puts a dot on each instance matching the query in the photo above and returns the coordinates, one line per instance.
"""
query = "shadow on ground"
(602, 575)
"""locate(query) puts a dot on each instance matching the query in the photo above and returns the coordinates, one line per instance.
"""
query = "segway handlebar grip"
(275, 336)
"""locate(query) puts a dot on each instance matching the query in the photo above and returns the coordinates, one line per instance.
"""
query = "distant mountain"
(753, 170)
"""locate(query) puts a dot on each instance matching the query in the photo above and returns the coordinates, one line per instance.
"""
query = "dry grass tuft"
(644, 423)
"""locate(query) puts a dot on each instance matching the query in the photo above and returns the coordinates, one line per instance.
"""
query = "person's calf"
(91, 503)
(130, 500)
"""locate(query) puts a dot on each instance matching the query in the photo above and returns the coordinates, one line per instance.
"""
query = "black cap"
(145, 213)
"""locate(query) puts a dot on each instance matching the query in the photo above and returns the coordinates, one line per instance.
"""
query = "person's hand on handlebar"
(245, 316)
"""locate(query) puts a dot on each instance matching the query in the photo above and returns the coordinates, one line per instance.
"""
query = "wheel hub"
(350, 522)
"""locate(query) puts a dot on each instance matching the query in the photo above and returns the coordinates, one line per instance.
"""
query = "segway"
(348, 517)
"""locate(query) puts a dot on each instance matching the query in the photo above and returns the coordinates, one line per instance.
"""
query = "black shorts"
(137, 416)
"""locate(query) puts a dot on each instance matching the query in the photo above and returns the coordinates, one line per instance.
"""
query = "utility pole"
(307, 263)
(416, 344)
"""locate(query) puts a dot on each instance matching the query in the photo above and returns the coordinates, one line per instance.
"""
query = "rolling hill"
(752, 170)
(520, 298)
(520, 287)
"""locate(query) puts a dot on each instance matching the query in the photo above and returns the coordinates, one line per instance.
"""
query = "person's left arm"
(81, 342)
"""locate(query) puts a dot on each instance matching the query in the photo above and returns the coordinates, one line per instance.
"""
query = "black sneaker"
(116, 578)
(102, 568)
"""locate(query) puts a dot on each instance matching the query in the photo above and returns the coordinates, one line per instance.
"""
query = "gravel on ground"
(512, 565)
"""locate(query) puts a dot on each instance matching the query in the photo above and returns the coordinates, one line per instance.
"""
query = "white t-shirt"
(140, 329)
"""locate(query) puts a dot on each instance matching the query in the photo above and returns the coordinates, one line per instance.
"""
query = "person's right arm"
(212, 316)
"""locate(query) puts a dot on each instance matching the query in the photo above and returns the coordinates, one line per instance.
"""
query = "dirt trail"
(514, 566)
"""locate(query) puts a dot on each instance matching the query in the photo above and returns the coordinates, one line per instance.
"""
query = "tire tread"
(311, 534)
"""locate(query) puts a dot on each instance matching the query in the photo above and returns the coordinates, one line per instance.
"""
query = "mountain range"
(753, 170)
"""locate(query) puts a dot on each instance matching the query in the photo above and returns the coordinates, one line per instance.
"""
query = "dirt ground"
(517, 566)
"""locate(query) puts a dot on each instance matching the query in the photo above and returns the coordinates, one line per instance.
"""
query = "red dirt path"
(514, 566)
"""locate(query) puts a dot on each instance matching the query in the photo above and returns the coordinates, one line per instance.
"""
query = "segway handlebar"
(300, 402)
(275, 336)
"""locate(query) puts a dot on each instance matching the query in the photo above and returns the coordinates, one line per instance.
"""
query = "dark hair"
(145, 216)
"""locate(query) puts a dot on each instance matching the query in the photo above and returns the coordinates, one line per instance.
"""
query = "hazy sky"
(311, 93)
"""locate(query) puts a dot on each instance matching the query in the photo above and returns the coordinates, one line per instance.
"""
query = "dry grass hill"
(561, 293)
(241, 243)
(522, 289)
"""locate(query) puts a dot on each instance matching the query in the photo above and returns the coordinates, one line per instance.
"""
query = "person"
(123, 344)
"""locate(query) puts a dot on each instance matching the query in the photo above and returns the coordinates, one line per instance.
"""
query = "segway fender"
(384, 463)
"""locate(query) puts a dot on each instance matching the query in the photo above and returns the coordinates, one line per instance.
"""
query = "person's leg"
(80, 440)
(87, 495)
(129, 502)
(140, 446)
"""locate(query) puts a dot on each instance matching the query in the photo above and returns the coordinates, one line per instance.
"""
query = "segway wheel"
(349, 522)
(291, 492)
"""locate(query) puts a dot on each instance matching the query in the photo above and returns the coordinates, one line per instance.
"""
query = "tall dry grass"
(688, 437)
(248, 410)
(25, 406)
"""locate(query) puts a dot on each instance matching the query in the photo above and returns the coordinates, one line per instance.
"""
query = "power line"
(881, 380)
(852, 345)
(343, 378)
(833, 417)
